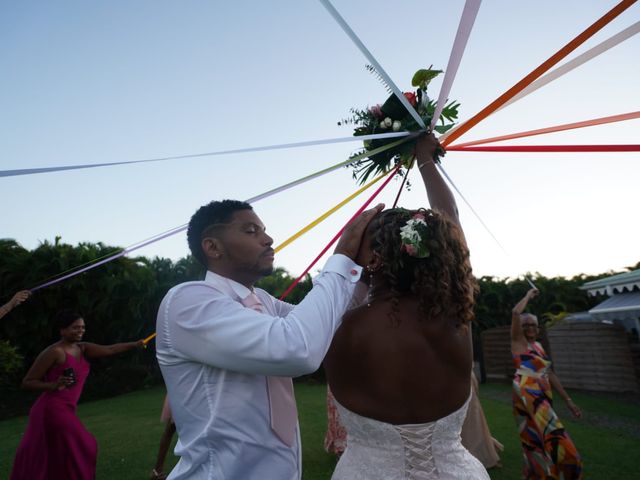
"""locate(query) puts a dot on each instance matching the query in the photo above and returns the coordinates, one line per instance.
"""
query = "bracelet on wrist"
(425, 163)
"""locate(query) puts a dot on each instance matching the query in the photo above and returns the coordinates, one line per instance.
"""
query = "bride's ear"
(375, 263)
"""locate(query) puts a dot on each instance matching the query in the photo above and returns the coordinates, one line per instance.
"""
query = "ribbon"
(557, 128)
(326, 215)
(455, 187)
(386, 79)
(173, 231)
(567, 67)
(549, 148)
(531, 284)
(576, 62)
(337, 236)
(467, 20)
(486, 227)
(110, 258)
(537, 72)
(281, 146)
(404, 181)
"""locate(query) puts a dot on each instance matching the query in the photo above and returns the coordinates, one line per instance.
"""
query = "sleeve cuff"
(343, 266)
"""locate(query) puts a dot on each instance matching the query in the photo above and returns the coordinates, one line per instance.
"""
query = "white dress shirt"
(215, 355)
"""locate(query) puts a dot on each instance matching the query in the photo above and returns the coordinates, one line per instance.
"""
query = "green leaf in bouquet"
(431, 108)
(423, 77)
(406, 158)
(363, 170)
(443, 128)
(450, 112)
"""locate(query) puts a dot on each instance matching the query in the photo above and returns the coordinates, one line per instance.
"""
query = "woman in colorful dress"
(549, 452)
(56, 445)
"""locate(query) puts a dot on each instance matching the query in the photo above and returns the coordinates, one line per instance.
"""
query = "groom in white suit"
(227, 350)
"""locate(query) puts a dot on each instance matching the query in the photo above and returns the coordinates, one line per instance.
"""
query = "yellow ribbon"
(324, 216)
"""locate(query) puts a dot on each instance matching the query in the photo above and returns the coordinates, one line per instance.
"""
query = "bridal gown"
(425, 451)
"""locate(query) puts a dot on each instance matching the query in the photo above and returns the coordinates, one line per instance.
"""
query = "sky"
(92, 82)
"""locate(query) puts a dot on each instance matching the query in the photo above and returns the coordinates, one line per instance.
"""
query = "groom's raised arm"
(197, 322)
(202, 324)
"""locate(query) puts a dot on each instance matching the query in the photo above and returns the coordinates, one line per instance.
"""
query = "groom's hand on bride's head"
(349, 243)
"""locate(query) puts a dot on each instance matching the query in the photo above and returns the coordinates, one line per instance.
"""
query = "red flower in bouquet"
(412, 98)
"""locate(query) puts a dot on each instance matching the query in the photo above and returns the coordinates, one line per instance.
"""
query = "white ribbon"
(173, 231)
(576, 62)
(347, 29)
(566, 68)
(181, 228)
(32, 171)
(467, 20)
(504, 250)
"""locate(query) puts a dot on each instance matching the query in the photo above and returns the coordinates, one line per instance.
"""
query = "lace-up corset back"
(379, 450)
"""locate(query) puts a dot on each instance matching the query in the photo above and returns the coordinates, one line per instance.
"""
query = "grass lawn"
(128, 431)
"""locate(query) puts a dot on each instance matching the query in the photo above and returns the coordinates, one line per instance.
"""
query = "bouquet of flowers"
(392, 116)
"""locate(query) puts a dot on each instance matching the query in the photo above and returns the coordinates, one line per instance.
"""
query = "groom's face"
(245, 246)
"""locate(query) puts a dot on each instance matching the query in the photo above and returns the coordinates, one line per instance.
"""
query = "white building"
(623, 305)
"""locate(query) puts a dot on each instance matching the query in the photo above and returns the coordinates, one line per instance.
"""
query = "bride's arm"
(440, 196)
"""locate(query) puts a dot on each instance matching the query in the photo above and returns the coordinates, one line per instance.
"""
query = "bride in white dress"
(400, 364)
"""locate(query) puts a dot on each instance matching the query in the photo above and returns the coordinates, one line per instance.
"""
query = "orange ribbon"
(557, 128)
(546, 65)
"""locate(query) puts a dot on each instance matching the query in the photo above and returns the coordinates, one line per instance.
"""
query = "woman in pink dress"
(56, 445)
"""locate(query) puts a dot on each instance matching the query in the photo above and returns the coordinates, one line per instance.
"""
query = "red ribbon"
(548, 148)
(337, 236)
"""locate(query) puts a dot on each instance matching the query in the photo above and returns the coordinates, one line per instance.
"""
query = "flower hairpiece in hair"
(414, 237)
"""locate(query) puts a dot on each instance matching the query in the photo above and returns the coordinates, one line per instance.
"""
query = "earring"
(370, 271)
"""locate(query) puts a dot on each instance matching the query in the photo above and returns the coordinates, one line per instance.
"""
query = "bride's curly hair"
(443, 281)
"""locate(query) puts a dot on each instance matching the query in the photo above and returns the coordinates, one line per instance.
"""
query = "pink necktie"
(282, 403)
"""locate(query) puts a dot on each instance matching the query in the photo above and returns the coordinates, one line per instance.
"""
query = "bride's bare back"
(403, 370)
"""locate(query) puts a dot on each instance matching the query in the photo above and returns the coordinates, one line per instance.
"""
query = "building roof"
(620, 283)
(619, 307)
(580, 317)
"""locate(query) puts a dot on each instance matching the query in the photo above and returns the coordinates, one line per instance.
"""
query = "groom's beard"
(265, 272)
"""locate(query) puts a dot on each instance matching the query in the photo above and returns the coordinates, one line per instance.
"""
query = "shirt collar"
(226, 285)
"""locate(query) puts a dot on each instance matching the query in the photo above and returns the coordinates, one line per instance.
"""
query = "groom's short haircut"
(206, 216)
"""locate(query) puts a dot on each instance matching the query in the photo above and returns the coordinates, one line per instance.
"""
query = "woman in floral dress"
(549, 452)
